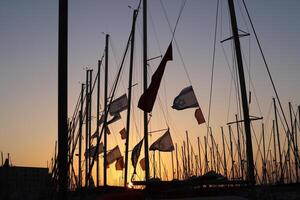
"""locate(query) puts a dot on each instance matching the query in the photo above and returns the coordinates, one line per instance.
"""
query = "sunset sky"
(28, 65)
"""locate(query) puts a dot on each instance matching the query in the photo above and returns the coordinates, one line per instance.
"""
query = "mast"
(129, 95)
(278, 140)
(264, 155)
(231, 152)
(250, 162)
(90, 114)
(293, 132)
(98, 119)
(105, 110)
(145, 88)
(172, 164)
(177, 171)
(63, 99)
(239, 147)
(87, 151)
(206, 161)
(80, 137)
(275, 157)
(200, 166)
(224, 153)
(188, 152)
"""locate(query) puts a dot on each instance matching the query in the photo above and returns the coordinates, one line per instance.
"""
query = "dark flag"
(185, 99)
(136, 154)
(164, 143)
(147, 99)
(199, 116)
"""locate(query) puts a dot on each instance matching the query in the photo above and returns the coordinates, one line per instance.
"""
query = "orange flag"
(199, 116)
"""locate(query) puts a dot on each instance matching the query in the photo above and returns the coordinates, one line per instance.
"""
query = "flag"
(115, 118)
(199, 116)
(120, 164)
(118, 105)
(123, 134)
(113, 155)
(147, 99)
(164, 143)
(142, 164)
(136, 154)
(92, 150)
(185, 99)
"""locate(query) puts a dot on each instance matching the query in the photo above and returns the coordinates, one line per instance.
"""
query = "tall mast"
(231, 152)
(224, 153)
(90, 113)
(105, 110)
(264, 155)
(188, 153)
(250, 162)
(87, 151)
(275, 157)
(278, 140)
(98, 118)
(80, 136)
(239, 147)
(199, 156)
(63, 99)
(129, 94)
(177, 171)
(145, 88)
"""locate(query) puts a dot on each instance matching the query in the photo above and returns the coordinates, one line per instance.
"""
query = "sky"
(28, 64)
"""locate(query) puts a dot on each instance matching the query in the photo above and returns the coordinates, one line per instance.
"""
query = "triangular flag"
(113, 155)
(136, 154)
(146, 101)
(164, 143)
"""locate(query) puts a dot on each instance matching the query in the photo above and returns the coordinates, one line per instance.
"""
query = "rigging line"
(266, 65)
(176, 44)
(213, 66)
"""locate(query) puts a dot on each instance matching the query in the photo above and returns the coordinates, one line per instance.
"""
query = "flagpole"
(129, 96)
(105, 110)
(145, 88)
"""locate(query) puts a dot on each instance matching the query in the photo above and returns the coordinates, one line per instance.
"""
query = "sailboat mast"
(278, 140)
(80, 136)
(63, 99)
(98, 119)
(249, 150)
(224, 153)
(129, 95)
(145, 88)
(105, 110)
(87, 128)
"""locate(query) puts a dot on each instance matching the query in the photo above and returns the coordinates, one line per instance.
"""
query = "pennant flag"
(118, 105)
(123, 134)
(136, 154)
(146, 101)
(116, 117)
(164, 143)
(199, 116)
(120, 164)
(113, 155)
(142, 164)
(185, 99)
(92, 150)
